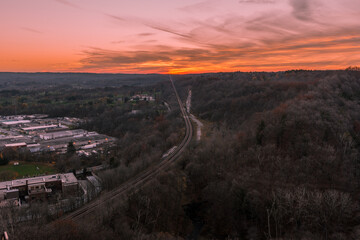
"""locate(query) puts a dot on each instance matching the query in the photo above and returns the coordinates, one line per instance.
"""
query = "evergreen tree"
(3, 160)
(71, 148)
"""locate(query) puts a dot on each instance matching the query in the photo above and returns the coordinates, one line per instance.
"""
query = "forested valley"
(280, 159)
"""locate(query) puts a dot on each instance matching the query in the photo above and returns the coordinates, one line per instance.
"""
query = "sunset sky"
(178, 36)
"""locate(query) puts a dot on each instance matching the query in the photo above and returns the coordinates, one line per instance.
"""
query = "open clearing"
(24, 169)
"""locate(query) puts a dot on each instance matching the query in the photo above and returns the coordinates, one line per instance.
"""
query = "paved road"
(140, 179)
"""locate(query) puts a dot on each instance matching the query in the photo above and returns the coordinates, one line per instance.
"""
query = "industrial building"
(36, 133)
(142, 97)
(62, 134)
(15, 122)
(37, 188)
(41, 127)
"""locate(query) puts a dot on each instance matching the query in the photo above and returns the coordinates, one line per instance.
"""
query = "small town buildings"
(36, 147)
(62, 134)
(142, 97)
(37, 188)
(69, 184)
(37, 128)
(89, 146)
(34, 134)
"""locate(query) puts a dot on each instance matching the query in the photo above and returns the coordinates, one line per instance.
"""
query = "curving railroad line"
(142, 178)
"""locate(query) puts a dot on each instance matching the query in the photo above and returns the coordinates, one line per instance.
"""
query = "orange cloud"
(271, 36)
(320, 53)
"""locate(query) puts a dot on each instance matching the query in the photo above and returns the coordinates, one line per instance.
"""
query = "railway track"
(142, 178)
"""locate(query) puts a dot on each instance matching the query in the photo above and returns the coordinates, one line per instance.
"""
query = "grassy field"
(24, 169)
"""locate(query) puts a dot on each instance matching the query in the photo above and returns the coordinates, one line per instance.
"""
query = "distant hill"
(28, 81)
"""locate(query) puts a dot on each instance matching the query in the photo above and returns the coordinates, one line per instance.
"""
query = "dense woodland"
(41, 81)
(281, 161)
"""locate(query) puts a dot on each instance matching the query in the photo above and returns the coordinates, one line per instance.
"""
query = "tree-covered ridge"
(36, 81)
(284, 156)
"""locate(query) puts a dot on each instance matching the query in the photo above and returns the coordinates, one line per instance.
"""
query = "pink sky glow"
(178, 36)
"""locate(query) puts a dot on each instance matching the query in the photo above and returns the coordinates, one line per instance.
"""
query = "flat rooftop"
(66, 178)
(9, 123)
(39, 127)
(63, 133)
(20, 144)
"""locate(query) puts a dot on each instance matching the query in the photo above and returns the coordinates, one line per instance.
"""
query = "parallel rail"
(142, 178)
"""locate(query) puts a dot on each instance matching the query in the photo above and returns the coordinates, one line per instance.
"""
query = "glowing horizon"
(176, 37)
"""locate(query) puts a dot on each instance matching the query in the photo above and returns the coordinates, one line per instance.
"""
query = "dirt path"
(198, 128)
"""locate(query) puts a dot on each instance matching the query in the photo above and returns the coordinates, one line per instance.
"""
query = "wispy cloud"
(257, 1)
(302, 9)
(114, 17)
(146, 34)
(67, 3)
(117, 42)
(183, 36)
(287, 34)
(32, 30)
(97, 56)
(206, 5)
(291, 54)
(168, 30)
